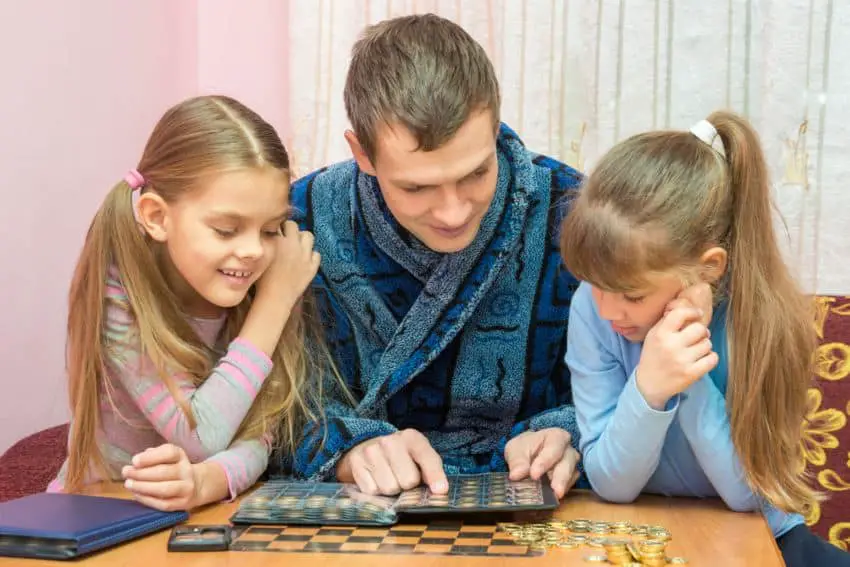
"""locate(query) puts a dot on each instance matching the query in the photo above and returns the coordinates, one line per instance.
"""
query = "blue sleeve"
(325, 442)
(299, 198)
(705, 423)
(621, 436)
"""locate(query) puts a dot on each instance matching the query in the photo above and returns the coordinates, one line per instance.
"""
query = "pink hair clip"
(134, 179)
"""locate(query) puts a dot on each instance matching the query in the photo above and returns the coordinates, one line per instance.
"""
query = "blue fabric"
(801, 548)
(465, 347)
(628, 447)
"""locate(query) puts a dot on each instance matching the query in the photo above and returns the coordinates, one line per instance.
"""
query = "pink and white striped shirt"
(137, 411)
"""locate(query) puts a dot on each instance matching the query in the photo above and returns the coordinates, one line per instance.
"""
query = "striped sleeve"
(243, 463)
(219, 404)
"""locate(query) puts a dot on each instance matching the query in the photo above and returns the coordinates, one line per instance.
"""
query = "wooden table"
(704, 532)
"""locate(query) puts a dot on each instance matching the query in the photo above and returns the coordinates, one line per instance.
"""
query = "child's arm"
(219, 405)
(621, 435)
(162, 477)
(243, 463)
(705, 423)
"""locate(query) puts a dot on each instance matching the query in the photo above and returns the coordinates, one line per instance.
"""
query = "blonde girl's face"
(222, 237)
(634, 313)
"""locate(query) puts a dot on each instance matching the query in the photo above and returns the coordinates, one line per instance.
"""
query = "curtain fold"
(578, 76)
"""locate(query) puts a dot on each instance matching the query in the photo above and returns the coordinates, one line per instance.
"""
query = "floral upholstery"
(826, 435)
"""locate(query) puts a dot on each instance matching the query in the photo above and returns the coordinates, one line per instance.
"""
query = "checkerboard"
(435, 538)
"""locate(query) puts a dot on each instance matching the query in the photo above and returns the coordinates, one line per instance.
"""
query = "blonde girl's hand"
(676, 353)
(162, 478)
(292, 269)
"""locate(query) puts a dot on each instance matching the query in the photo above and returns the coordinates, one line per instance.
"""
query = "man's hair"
(423, 72)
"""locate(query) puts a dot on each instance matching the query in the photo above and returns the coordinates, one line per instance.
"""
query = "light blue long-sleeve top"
(628, 447)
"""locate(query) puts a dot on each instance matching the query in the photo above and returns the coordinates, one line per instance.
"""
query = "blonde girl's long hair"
(654, 204)
(199, 136)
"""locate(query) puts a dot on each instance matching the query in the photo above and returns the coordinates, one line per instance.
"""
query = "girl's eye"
(634, 299)
(224, 233)
(271, 233)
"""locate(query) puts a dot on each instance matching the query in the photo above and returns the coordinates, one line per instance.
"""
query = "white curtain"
(578, 75)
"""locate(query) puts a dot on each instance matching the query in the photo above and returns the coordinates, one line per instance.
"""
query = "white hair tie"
(705, 131)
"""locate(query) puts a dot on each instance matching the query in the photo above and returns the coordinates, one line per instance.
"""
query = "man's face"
(439, 196)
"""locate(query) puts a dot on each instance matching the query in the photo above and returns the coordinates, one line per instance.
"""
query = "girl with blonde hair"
(689, 342)
(188, 321)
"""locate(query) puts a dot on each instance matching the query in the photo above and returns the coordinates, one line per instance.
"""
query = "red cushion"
(30, 464)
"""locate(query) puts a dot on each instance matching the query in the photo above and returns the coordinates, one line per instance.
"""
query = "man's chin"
(444, 245)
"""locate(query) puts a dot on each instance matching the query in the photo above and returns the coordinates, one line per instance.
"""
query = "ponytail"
(85, 360)
(114, 239)
(770, 331)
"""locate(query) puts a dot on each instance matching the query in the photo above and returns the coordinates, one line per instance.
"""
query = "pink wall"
(243, 53)
(83, 83)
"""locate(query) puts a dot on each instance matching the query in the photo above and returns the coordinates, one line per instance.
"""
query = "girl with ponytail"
(689, 342)
(188, 316)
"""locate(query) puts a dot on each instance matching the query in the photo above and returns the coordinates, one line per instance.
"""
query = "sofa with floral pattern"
(826, 434)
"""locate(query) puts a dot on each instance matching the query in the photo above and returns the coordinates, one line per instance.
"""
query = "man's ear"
(363, 162)
(153, 215)
(713, 264)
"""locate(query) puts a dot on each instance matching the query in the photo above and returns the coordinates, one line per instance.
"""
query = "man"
(443, 295)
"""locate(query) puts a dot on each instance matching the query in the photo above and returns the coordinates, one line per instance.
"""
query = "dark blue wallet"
(66, 526)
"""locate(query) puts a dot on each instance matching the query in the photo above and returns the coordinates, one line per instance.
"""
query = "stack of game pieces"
(653, 552)
(600, 528)
(658, 532)
(618, 551)
(627, 544)
(580, 526)
(623, 527)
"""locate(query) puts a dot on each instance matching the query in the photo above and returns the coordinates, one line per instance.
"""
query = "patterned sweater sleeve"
(219, 404)
(243, 463)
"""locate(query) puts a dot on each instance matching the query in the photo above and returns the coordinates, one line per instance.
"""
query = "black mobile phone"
(199, 538)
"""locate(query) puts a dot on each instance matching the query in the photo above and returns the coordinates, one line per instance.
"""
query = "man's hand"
(533, 453)
(392, 463)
